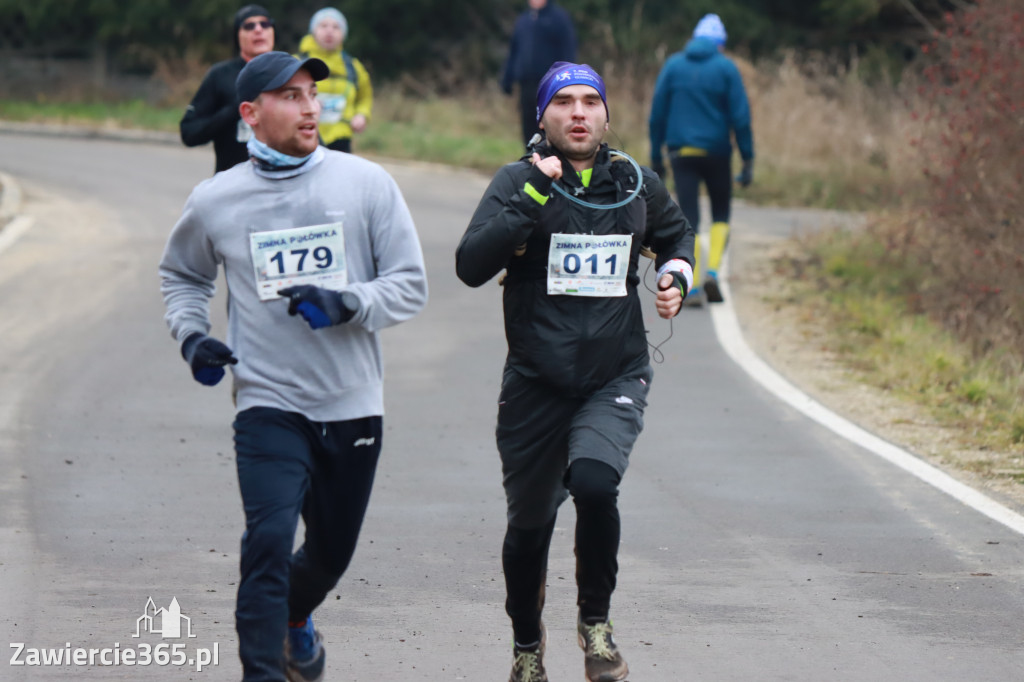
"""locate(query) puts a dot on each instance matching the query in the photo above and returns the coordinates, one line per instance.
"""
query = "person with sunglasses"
(212, 116)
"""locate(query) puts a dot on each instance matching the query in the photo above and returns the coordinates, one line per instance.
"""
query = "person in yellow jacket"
(346, 96)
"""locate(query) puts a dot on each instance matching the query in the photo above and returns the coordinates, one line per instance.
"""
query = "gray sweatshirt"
(329, 374)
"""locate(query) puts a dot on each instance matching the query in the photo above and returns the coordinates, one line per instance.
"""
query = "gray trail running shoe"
(602, 661)
(528, 664)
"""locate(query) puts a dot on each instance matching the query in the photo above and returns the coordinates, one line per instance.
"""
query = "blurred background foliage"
(447, 43)
(910, 109)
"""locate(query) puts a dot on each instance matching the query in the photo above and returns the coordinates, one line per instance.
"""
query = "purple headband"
(563, 74)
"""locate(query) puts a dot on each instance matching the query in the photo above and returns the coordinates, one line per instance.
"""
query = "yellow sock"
(699, 245)
(719, 239)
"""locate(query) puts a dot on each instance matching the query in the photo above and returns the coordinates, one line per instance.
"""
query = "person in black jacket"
(568, 222)
(213, 116)
(543, 35)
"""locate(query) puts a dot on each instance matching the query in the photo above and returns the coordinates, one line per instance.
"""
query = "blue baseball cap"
(564, 74)
(271, 70)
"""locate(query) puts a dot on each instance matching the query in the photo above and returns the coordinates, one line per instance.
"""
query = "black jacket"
(574, 344)
(213, 115)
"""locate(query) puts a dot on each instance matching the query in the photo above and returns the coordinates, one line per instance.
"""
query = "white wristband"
(680, 266)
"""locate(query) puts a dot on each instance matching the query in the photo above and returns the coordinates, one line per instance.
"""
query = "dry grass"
(825, 137)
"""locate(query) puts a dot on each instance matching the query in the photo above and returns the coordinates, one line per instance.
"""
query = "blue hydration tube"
(633, 193)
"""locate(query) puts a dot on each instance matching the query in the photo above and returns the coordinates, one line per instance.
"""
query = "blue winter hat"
(330, 13)
(711, 27)
(564, 74)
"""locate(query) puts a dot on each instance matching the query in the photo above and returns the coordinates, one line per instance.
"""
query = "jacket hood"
(309, 46)
(700, 49)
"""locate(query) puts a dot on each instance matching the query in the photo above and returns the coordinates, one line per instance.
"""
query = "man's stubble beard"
(562, 144)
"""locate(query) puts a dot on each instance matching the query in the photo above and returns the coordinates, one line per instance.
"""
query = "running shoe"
(528, 666)
(711, 288)
(602, 661)
(304, 653)
(695, 298)
(528, 662)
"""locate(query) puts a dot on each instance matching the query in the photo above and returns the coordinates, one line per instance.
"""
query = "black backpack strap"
(350, 69)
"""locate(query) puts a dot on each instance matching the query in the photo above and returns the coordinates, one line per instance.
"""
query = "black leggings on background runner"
(343, 144)
(716, 172)
(594, 489)
(528, 109)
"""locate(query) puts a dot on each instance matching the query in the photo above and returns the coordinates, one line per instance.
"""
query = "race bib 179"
(588, 265)
(299, 255)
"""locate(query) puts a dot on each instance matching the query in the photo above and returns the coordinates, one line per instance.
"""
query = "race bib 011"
(299, 255)
(588, 265)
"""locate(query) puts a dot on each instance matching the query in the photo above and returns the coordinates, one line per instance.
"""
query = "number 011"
(572, 263)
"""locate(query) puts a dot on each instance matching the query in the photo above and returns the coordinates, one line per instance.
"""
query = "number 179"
(322, 257)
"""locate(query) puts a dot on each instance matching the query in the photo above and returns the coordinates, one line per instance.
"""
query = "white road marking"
(727, 328)
(13, 230)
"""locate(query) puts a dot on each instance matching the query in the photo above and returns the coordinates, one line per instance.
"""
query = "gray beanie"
(330, 13)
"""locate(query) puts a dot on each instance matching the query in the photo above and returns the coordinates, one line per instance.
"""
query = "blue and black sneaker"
(304, 653)
(711, 288)
(695, 298)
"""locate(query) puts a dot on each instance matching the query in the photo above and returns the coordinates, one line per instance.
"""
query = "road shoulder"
(794, 342)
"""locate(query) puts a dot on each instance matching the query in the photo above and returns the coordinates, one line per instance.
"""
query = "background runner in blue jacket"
(577, 374)
(699, 100)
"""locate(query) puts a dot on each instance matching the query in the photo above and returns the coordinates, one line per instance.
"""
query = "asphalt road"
(756, 544)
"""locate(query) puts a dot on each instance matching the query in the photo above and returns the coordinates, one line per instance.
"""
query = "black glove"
(320, 307)
(659, 168)
(677, 281)
(207, 357)
(746, 175)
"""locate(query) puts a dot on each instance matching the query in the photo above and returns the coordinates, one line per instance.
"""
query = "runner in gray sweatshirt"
(319, 252)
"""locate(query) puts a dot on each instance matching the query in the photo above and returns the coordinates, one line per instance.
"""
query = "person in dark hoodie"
(213, 116)
(568, 222)
(699, 99)
(543, 35)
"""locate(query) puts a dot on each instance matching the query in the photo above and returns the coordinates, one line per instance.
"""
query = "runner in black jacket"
(213, 116)
(577, 374)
